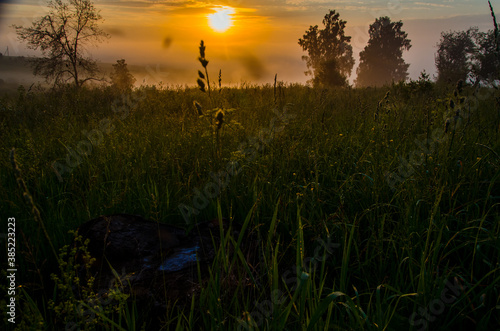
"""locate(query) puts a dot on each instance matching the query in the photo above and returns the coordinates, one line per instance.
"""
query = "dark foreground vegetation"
(374, 208)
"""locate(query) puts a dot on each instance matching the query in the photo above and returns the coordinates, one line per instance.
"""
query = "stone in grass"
(155, 262)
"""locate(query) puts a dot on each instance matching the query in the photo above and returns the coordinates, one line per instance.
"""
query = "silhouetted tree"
(329, 58)
(487, 57)
(381, 61)
(328, 74)
(455, 55)
(63, 35)
(469, 55)
(121, 77)
(485, 60)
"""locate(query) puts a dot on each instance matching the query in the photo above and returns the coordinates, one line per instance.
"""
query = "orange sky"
(163, 36)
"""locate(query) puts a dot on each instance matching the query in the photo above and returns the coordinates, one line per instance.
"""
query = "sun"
(221, 20)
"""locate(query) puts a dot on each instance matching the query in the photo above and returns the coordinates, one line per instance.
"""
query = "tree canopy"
(381, 61)
(485, 60)
(454, 56)
(329, 58)
(469, 56)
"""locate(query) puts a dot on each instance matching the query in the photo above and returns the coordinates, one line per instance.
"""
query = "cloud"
(433, 5)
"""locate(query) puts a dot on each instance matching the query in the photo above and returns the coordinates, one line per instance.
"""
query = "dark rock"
(155, 262)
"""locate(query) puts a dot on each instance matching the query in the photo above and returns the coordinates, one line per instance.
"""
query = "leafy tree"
(469, 55)
(485, 61)
(381, 61)
(63, 36)
(121, 77)
(329, 58)
(455, 55)
(328, 74)
(487, 57)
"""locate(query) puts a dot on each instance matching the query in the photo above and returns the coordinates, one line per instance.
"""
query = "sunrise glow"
(221, 20)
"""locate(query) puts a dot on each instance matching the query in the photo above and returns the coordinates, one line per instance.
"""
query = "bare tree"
(63, 37)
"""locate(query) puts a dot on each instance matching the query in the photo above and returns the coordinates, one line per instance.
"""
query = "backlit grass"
(320, 177)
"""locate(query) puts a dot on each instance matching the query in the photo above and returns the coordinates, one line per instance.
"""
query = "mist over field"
(262, 44)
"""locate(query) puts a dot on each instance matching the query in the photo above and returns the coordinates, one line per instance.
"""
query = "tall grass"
(321, 177)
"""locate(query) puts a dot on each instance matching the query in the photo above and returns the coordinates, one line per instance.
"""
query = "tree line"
(471, 56)
(64, 34)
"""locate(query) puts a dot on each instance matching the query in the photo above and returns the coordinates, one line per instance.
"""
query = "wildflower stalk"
(218, 116)
(275, 77)
(220, 80)
(29, 200)
(204, 63)
(496, 34)
(497, 46)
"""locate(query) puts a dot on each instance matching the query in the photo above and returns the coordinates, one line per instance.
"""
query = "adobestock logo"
(423, 316)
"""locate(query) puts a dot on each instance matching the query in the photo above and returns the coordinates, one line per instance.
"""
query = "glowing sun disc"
(221, 20)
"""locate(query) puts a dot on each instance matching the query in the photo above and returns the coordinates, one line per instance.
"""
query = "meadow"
(401, 182)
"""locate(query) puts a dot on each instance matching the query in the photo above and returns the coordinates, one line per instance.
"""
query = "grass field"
(402, 182)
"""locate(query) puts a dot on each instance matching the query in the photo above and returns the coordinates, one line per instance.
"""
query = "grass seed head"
(201, 85)
(460, 86)
(203, 62)
(220, 119)
(202, 49)
(197, 106)
(202, 59)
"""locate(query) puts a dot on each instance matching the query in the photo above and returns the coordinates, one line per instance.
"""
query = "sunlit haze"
(221, 20)
(250, 41)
